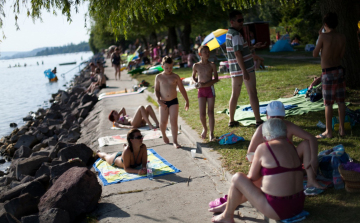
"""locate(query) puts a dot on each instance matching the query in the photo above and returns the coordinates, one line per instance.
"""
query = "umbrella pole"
(223, 52)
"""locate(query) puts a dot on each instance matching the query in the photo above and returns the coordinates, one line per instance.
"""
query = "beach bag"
(335, 123)
(326, 159)
(229, 138)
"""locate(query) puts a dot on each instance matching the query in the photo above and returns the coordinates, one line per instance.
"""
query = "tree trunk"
(153, 38)
(145, 42)
(172, 38)
(186, 36)
(348, 16)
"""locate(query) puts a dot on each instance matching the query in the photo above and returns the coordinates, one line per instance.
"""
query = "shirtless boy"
(165, 90)
(332, 47)
(206, 91)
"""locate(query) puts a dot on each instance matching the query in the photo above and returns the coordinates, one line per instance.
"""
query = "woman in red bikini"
(140, 118)
(274, 185)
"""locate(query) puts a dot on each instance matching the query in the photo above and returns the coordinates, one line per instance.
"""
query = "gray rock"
(77, 191)
(29, 166)
(57, 170)
(13, 125)
(86, 98)
(13, 192)
(52, 141)
(44, 169)
(36, 189)
(2, 161)
(22, 152)
(64, 97)
(55, 215)
(26, 140)
(44, 180)
(14, 184)
(23, 205)
(84, 112)
(51, 122)
(80, 151)
(27, 179)
(28, 118)
(39, 146)
(22, 130)
(39, 136)
(6, 217)
(14, 138)
(6, 180)
(30, 219)
(41, 153)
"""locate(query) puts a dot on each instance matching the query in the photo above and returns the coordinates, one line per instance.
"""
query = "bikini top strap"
(272, 153)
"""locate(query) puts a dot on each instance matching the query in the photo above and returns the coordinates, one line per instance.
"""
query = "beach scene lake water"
(26, 89)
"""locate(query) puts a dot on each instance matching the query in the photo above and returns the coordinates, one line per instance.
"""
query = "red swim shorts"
(206, 92)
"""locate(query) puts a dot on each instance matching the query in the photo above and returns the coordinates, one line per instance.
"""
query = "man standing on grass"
(241, 65)
(332, 47)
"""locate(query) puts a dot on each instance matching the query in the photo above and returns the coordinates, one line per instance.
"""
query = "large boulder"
(22, 152)
(77, 191)
(23, 205)
(86, 98)
(6, 217)
(54, 215)
(26, 140)
(6, 180)
(30, 219)
(80, 151)
(30, 165)
(38, 147)
(57, 170)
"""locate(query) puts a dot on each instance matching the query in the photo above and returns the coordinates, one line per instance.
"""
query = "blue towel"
(262, 108)
(303, 91)
(297, 218)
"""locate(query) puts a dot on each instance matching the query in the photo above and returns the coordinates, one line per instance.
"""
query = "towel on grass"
(112, 175)
(247, 118)
(262, 108)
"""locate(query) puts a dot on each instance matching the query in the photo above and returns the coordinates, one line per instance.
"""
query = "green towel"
(304, 105)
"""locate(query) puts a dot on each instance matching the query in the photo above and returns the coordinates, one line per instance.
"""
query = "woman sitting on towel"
(140, 118)
(133, 156)
(274, 184)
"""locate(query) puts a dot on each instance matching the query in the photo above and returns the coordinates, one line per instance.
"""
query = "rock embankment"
(49, 178)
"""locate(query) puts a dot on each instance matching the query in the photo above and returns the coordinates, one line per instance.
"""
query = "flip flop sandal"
(312, 191)
(233, 124)
(218, 202)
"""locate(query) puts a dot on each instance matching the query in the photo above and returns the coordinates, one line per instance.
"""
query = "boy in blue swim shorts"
(203, 76)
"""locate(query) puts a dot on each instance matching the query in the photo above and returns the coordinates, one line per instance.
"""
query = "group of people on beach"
(274, 184)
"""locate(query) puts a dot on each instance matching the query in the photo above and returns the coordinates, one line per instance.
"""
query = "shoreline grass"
(277, 82)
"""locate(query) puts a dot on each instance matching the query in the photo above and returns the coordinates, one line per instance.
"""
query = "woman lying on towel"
(140, 118)
(133, 156)
(274, 184)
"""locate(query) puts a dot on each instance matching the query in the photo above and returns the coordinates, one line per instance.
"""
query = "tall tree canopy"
(124, 16)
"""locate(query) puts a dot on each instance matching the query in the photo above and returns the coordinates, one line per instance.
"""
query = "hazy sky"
(53, 31)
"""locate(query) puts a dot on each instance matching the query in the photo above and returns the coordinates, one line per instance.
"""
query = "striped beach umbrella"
(215, 39)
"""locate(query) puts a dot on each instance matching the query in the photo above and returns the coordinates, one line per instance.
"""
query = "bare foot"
(166, 139)
(204, 133)
(314, 184)
(176, 145)
(212, 137)
(221, 218)
(218, 209)
(324, 135)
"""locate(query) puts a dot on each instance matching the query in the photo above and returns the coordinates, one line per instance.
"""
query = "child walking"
(165, 90)
(203, 76)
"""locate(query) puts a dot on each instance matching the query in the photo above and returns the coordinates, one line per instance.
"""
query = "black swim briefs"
(172, 102)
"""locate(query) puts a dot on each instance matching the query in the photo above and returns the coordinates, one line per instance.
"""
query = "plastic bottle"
(337, 180)
(149, 172)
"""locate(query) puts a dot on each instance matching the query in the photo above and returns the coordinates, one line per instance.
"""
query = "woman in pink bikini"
(274, 185)
(140, 118)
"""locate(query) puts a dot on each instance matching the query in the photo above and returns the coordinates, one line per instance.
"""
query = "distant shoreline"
(6, 58)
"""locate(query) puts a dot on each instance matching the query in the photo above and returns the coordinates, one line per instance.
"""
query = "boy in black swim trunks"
(165, 90)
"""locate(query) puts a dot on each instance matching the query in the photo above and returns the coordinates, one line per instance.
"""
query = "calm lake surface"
(26, 89)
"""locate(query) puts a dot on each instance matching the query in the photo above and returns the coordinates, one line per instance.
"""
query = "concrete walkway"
(170, 198)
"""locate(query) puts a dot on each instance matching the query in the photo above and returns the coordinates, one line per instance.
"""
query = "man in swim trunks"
(204, 71)
(165, 90)
(332, 47)
(241, 65)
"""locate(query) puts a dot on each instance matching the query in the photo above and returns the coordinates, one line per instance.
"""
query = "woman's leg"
(119, 71)
(242, 189)
(150, 111)
(140, 115)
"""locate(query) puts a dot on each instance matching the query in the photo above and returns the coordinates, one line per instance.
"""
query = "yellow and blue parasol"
(215, 39)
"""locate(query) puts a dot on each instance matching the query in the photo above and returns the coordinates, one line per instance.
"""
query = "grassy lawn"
(333, 205)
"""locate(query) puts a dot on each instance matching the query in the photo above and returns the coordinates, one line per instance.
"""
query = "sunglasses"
(138, 137)
(240, 20)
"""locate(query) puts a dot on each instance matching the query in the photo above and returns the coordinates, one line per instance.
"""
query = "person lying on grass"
(274, 185)
(203, 77)
(140, 118)
(307, 149)
(133, 156)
